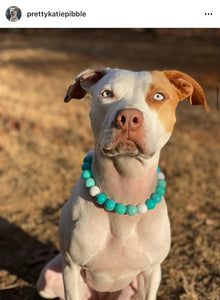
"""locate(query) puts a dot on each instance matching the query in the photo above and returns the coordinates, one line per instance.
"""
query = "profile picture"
(13, 14)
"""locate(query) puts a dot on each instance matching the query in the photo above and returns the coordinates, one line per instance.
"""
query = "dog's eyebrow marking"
(166, 108)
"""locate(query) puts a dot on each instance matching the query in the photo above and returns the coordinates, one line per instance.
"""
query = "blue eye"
(159, 97)
(107, 94)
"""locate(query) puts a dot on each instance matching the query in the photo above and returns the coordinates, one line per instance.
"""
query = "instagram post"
(109, 146)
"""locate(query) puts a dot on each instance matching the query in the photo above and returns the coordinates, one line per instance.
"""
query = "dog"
(13, 14)
(112, 248)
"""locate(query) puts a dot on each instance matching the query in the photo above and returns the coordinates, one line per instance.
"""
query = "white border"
(117, 14)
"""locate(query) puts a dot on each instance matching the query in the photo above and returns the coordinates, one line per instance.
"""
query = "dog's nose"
(130, 119)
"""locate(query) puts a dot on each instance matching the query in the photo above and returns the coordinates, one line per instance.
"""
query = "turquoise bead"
(162, 183)
(109, 204)
(131, 210)
(86, 166)
(89, 182)
(120, 208)
(158, 169)
(100, 198)
(160, 191)
(86, 174)
(156, 197)
(150, 203)
(88, 159)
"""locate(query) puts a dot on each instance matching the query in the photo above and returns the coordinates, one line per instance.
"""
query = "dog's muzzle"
(128, 134)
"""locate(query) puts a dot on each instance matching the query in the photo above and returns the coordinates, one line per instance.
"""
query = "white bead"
(142, 208)
(90, 153)
(94, 191)
(160, 175)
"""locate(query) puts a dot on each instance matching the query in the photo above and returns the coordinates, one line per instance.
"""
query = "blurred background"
(43, 141)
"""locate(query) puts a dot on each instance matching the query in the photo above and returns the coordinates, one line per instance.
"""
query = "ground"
(43, 141)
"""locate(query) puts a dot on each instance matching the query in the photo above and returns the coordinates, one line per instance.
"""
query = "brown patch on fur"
(165, 108)
(187, 87)
(175, 86)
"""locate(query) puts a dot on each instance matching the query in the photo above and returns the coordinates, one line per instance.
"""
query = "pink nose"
(130, 119)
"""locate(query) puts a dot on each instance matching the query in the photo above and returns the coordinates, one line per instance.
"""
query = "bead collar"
(119, 208)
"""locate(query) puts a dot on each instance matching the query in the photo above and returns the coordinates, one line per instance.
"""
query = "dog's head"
(133, 113)
(13, 12)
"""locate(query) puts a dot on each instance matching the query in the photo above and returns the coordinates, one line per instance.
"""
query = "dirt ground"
(43, 141)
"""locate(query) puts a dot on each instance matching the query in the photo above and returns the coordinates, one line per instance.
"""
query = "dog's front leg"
(72, 281)
(148, 284)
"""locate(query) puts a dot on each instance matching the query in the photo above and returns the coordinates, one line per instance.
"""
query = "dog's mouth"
(117, 143)
(126, 147)
(123, 147)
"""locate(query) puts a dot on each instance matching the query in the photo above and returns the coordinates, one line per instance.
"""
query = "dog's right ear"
(83, 83)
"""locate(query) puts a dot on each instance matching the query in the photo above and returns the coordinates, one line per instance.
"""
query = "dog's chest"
(120, 245)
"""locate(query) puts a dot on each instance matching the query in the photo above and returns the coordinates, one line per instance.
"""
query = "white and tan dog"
(106, 255)
(14, 14)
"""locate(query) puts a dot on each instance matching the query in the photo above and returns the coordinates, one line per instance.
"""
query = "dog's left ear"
(83, 83)
(187, 87)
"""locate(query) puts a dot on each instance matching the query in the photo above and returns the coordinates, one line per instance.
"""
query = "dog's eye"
(107, 94)
(159, 96)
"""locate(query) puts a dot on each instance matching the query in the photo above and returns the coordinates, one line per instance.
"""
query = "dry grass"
(43, 140)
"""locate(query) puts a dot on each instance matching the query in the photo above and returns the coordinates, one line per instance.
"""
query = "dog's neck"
(127, 180)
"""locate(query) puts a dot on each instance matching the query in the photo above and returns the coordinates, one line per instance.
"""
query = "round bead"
(90, 153)
(120, 208)
(94, 191)
(156, 197)
(142, 208)
(86, 174)
(109, 204)
(86, 166)
(158, 169)
(131, 210)
(160, 175)
(89, 182)
(88, 159)
(150, 203)
(100, 198)
(160, 191)
(162, 183)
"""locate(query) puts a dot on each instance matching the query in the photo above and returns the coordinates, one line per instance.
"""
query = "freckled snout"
(129, 119)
